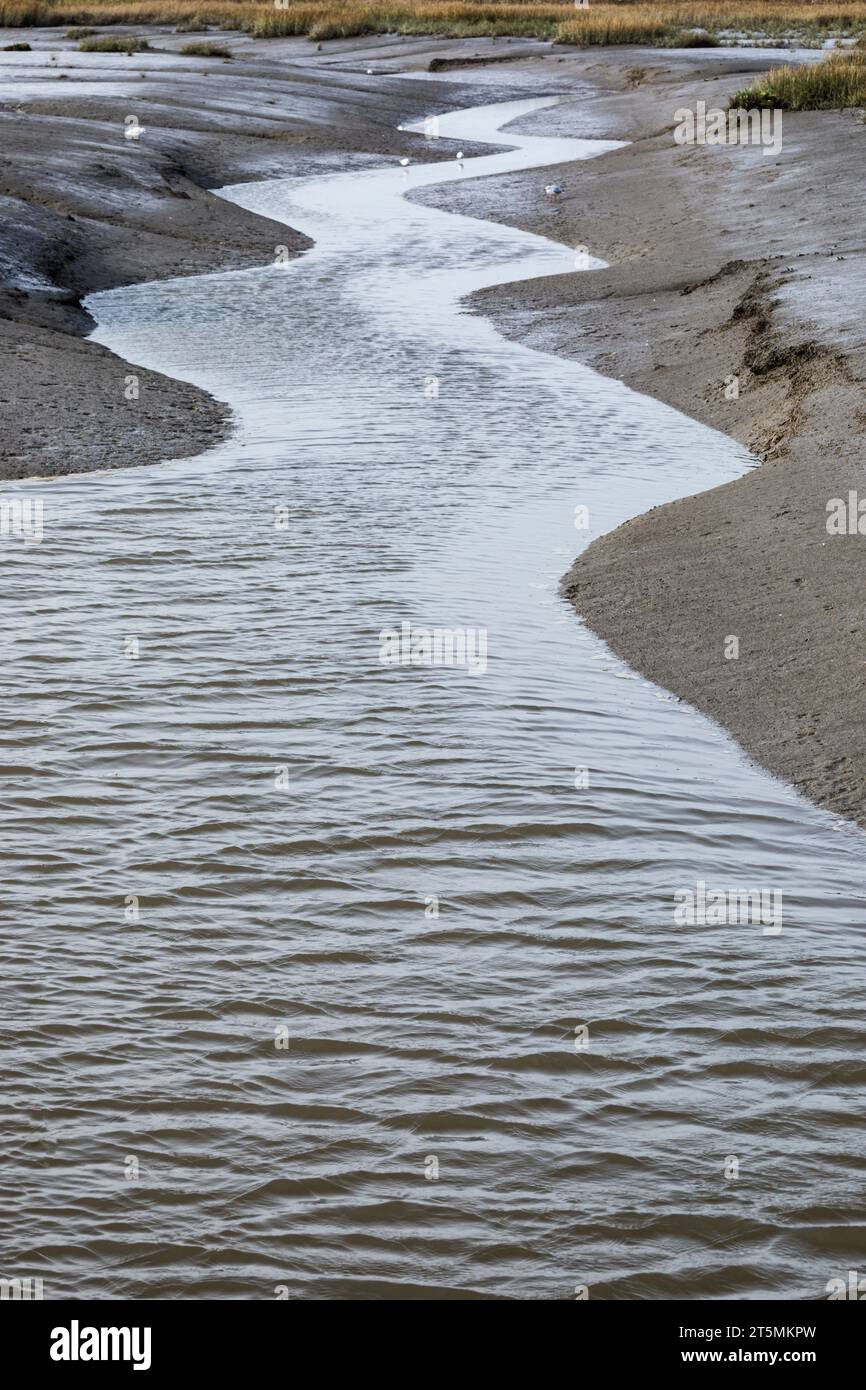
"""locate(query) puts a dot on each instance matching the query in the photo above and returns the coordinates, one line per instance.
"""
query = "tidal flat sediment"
(734, 292)
(725, 266)
(109, 162)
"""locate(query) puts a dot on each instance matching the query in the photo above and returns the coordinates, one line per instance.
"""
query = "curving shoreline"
(710, 275)
(85, 209)
(722, 264)
(291, 807)
(259, 666)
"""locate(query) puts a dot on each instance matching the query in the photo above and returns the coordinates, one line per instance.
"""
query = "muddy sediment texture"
(724, 264)
(84, 208)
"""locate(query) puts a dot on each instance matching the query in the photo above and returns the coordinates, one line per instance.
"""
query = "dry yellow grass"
(837, 82)
(766, 19)
(624, 22)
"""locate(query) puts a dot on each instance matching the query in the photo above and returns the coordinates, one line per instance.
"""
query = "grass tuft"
(205, 50)
(114, 43)
(694, 38)
(839, 81)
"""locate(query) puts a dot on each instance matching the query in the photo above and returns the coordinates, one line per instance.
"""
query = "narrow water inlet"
(376, 969)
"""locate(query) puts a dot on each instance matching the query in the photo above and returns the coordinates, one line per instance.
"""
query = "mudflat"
(109, 182)
(734, 292)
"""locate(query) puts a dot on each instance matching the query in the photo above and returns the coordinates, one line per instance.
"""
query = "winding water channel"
(305, 943)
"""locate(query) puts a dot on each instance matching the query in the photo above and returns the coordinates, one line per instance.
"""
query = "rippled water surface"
(247, 829)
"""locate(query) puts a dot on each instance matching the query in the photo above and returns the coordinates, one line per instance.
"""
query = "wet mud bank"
(109, 163)
(734, 292)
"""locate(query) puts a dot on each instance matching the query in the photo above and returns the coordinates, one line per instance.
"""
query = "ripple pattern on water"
(255, 833)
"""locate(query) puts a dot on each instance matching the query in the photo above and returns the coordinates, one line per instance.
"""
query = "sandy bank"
(724, 264)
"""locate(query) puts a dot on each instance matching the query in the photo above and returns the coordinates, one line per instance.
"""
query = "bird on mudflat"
(553, 190)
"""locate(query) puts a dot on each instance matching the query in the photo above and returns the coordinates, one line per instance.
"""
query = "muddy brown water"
(337, 978)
